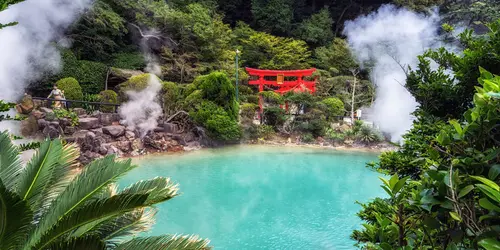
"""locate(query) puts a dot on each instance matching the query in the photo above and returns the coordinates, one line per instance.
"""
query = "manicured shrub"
(108, 96)
(134, 60)
(218, 88)
(224, 128)
(71, 88)
(135, 83)
(248, 110)
(332, 107)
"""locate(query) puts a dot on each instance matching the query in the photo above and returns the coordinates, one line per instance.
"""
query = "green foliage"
(316, 30)
(4, 4)
(67, 114)
(262, 50)
(217, 88)
(332, 107)
(368, 135)
(48, 205)
(334, 136)
(4, 107)
(90, 108)
(307, 138)
(135, 83)
(265, 131)
(442, 95)
(455, 187)
(71, 88)
(274, 16)
(29, 146)
(252, 99)
(248, 110)
(419, 5)
(223, 127)
(336, 57)
(272, 97)
(274, 116)
(108, 96)
(133, 60)
(172, 98)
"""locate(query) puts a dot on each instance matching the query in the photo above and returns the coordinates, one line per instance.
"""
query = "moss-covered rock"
(135, 83)
(108, 96)
(71, 87)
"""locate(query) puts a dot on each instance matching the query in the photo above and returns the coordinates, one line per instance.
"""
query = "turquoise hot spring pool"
(261, 197)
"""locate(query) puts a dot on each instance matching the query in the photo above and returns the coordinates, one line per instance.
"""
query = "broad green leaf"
(457, 127)
(490, 244)
(399, 185)
(385, 246)
(386, 182)
(490, 192)
(387, 190)
(490, 86)
(485, 203)
(455, 216)
(494, 172)
(392, 182)
(487, 217)
(465, 191)
(488, 182)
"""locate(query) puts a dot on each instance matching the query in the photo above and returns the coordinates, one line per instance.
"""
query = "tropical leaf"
(166, 242)
(81, 243)
(96, 210)
(38, 173)
(64, 172)
(10, 163)
(15, 219)
(129, 224)
(159, 189)
(90, 182)
(490, 244)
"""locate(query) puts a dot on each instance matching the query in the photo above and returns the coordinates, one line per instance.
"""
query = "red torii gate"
(283, 85)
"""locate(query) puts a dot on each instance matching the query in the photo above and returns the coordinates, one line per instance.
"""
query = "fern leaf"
(10, 163)
(159, 189)
(166, 242)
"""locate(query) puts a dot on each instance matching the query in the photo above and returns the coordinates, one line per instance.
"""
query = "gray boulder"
(114, 130)
(89, 123)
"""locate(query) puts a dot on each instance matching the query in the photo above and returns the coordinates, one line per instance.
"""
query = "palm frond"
(80, 243)
(64, 172)
(15, 219)
(166, 242)
(159, 189)
(130, 224)
(38, 173)
(91, 212)
(93, 179)
(10, 163)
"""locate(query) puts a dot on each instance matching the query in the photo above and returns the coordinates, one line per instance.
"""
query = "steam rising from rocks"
(388, 41)
(142, 111)
(26, 49)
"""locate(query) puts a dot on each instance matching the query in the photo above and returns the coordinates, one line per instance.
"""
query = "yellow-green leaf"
(455, 216)
(487, 182)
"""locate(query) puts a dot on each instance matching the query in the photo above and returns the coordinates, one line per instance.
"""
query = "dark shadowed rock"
(169, 127)
(89, 123)
(29, 126)
(51, 132)
(114, 130)
(69, 130)
(42, 124)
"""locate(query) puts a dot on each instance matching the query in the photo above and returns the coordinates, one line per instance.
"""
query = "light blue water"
(256, 197)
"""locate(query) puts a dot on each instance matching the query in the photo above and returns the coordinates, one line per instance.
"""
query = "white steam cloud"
(26, 49)
(142, 111)
(387, 41)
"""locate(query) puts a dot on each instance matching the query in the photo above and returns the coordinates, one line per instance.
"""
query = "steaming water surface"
(256, 197)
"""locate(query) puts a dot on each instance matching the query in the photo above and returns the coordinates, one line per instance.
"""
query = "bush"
(193, 99)
(245, 90)
(204, 110)
(307, 138)
(368, 135)
(135, 83)
(272, 97)
(90, 108)
(133, 60)
(71, 88)
(108, 96)
(172, 98)
(274, 116)
(252, 99)
(248, 110)
(334, 136)
(70, 115)
(332, 107)
(265, 131)
(223, 127)
(218, 88)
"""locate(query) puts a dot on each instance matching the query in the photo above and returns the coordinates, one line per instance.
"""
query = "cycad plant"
(50, 204)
